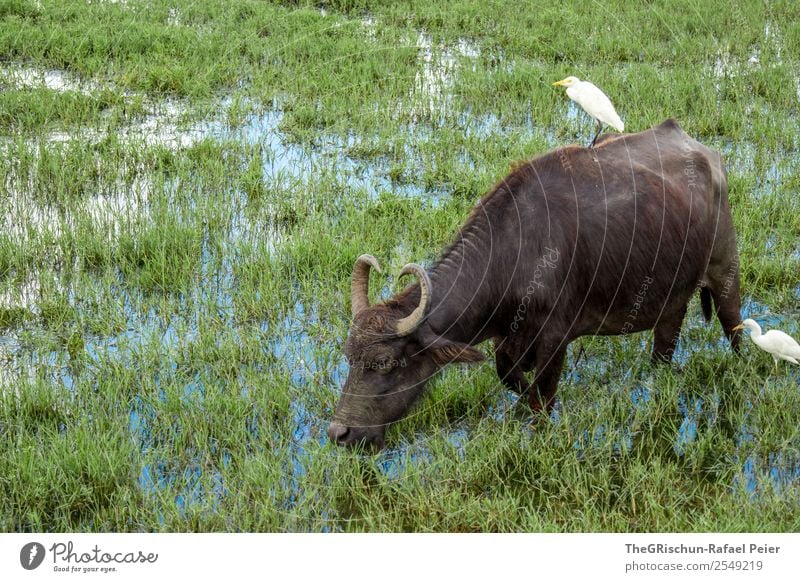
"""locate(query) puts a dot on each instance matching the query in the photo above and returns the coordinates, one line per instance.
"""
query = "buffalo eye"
(384, 366)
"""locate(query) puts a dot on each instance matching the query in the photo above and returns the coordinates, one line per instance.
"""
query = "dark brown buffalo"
(603, 241)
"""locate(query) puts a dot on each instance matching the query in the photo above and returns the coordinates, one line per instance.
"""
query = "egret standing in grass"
(782, 346)
(594, 102)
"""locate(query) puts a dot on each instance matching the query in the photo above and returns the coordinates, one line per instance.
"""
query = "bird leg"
(596, 135)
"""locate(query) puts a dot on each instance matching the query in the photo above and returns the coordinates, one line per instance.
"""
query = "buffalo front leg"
(511, 369)
(549, 363)
(510, 373)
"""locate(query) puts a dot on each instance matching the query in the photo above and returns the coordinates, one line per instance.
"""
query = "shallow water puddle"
(774, 180)
(21, 296)
(156, 479)
(434, 81)
(25, 218)
(295, 343)
(287, 162)
(777, 471)
(726, 65)
(691, 409)
(306, 428)
(163, 126)
(22, 77)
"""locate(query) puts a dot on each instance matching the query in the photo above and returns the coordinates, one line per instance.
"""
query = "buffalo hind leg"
(666, 334)
(549, 363)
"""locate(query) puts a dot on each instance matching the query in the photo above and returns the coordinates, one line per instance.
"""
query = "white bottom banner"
(398, 556)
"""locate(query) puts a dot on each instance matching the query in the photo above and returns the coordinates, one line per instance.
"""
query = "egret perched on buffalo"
(594, 102)
(782, 346)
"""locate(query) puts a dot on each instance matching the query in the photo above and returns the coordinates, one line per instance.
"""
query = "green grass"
(174, 287)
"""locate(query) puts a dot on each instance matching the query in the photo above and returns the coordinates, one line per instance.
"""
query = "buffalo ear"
(454, 352)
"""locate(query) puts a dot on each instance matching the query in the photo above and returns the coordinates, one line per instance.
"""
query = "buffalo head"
(392, 352)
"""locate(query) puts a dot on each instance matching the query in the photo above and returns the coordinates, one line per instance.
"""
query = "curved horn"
(359, 282)
(408, 324)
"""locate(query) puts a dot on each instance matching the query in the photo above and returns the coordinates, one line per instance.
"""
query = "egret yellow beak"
(738, 327)
(559, 83)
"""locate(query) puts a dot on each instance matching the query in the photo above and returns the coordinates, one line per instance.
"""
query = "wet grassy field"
(186, 185)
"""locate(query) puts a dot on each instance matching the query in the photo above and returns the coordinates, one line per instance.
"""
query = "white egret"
(782, 346)
(594, 102)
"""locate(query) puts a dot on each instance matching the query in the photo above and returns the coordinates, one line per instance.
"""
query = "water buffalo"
(604, 241)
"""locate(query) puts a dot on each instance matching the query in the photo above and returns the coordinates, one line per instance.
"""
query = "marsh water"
(293, 344)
